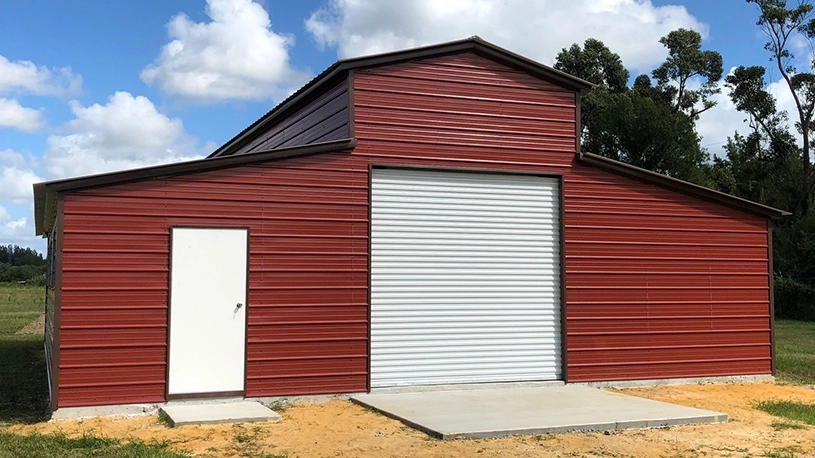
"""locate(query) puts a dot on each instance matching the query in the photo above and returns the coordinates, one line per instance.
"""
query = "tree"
(686, 61)
(782, 26)
(747, 92)
(752, 170)
(639, 131)
(596, 64)
(18, 256)
(634, 126)
(18, 263)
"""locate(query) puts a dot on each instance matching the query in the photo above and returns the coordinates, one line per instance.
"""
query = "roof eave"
(40, 196)
(682, 186)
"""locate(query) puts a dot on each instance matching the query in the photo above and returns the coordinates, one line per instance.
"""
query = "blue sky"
(91, 86)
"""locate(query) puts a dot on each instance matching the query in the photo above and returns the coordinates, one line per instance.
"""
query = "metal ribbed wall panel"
(324, 119)
(658, 284)
(661, 285)
(465, 278)
(307, 304)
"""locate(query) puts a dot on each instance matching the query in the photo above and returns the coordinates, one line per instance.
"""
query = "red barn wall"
(658, 284)
(307, 309)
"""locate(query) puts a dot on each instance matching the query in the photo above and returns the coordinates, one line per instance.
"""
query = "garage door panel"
(397, 271)
(398, 297)
(452, 313)
(465, 278)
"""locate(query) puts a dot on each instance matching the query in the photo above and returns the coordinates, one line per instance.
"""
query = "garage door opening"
(465, 278)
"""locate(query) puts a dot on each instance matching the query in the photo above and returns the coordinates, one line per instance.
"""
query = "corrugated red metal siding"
(661, 285)
(307, 275)
(658, 284)
(324, 119)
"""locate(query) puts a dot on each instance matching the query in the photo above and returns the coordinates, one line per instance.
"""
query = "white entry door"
(207, 311)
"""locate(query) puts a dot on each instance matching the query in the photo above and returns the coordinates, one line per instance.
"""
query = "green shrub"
(793, 299)
(13, 274)
(36, 280)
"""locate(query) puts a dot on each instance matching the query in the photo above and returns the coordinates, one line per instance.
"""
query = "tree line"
(652, 124)
(21, 264)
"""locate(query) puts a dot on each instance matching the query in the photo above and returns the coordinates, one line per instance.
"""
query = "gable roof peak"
(340, 69)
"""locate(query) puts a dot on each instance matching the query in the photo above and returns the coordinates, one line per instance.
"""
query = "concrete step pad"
(226, 412)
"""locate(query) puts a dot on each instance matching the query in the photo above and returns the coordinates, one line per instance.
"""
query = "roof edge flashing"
(682, 186)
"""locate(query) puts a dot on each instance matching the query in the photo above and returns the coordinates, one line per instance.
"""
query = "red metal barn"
(418, 217)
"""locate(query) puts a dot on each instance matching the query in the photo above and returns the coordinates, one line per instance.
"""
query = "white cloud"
(16, 116)
(784, 101)
(127, 132)
(17, 230)
(721, 121)
(235, 56)
(17, 175)
(538, 29)
(25, 76)
(9, 222)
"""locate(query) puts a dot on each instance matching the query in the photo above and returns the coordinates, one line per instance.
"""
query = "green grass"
(19, 305)
(245, 443)
(58, 445)
(781, 425)
(780, 455)
(798, 411)
(15, 298)
(23, 379)
(795, 351)
(24, 390)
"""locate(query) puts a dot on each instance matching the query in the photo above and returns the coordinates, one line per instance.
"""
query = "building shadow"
(23, 380)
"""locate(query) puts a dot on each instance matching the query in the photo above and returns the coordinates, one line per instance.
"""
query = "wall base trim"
(678, 381)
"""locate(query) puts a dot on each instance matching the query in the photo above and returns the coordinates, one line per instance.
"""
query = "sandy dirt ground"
(342, 429)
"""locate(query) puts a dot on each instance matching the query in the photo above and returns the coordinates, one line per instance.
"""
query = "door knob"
(239, 305)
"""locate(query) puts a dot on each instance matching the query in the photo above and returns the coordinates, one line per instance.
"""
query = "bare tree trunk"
(805, 171)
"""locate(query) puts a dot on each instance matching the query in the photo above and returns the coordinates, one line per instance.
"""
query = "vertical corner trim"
(370, 272)
(771, 283)
(352, 130)
(578, 123)
(564, 341)
(57, 343)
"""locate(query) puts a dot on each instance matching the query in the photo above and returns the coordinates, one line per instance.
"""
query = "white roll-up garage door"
(465, 278)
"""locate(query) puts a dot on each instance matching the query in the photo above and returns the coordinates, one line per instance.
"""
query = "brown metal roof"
(45, 193)
(341, 68)
(678, 185)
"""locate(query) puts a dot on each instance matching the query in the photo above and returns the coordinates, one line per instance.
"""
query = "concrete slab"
(122, 410)
(224, 412)
(500, 412)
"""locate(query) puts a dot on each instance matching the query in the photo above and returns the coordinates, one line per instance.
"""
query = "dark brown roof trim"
(684, 187)
(340, 69)
(45, 193)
